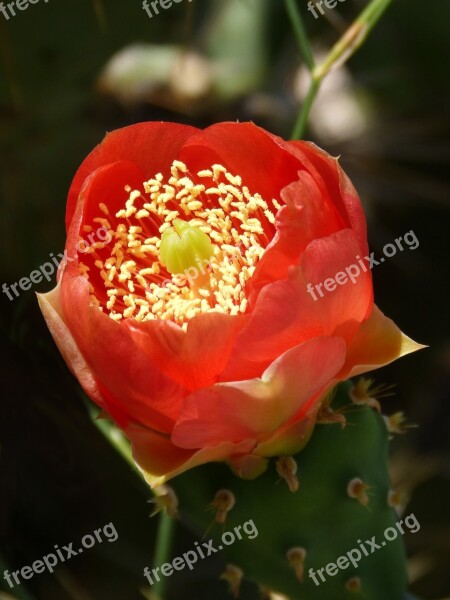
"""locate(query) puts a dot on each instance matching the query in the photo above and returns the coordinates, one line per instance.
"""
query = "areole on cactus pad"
(193, 328)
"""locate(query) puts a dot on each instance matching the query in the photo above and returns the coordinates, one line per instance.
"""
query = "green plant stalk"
(166, 525)
(300, 32)
(352, 39)
(302, 119)
(344, 48)
(113, 435)
(164, 537)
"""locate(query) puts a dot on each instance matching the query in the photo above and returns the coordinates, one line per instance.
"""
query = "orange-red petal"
(152, 147)
(51, 308)
(134, 383)
(246, 150)
(286, 314)
(337, 186)
(160, 460)
(307, 216)
(196, 357)
(253, 408)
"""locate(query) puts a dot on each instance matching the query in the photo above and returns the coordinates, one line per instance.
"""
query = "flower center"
(181, 248)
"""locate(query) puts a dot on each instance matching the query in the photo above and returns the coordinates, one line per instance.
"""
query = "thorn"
(363, 394)
(223, 502)
(287, 470)
(233, 576)
(396, 423)
(396, 499)
(357, 489)
(328, 416)
(353, 585)
(165, 499)
(296, 557)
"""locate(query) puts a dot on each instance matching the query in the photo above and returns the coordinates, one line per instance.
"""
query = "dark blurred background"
(70, 70)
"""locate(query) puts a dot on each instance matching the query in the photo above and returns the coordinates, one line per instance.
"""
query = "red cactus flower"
(191, 323)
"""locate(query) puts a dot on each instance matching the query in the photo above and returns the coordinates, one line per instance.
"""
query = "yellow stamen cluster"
(135, 282)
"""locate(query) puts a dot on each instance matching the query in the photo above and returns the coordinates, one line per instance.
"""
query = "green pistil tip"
(184, 246)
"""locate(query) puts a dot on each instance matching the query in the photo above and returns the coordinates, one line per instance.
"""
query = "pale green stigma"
(184, 246)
